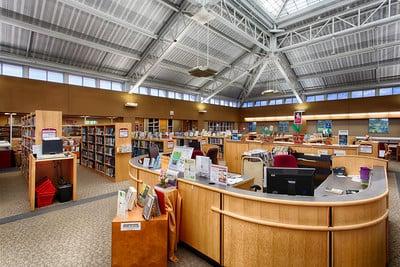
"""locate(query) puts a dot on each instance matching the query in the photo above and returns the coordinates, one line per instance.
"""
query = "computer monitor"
(290, 181)
(52, 146)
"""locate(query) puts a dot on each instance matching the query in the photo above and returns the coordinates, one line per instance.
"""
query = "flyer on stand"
(219, 174)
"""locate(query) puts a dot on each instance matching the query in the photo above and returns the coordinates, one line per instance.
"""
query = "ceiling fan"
(203, 16)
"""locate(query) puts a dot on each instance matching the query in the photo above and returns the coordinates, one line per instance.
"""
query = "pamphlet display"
(178, 157)
(203, 165)
(121, 208)
(218, 174)
(190, 169)
(130, 198)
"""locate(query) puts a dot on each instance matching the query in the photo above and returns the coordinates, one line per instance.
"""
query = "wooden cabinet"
(200, 227)
(233, 155)
(137, 242)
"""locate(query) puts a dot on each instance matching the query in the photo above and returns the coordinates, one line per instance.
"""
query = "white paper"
(121, 208)
(203, 165)
(218, 174)
(178, 157)
(146, 162)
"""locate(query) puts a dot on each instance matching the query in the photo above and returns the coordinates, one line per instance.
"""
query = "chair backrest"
(153, 151)
(253, 167)
(212, 153)
(197, 153)
(285, 161)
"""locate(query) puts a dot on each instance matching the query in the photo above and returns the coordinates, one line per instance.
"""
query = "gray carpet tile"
(14, 190)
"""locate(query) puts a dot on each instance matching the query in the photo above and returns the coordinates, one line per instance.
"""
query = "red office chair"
(197, 153)
(285, 161)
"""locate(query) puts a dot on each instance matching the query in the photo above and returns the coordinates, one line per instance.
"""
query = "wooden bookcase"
(32, 126)
(101, 149)
(140, 145)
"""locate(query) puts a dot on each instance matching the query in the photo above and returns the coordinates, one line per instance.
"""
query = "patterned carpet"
(79, 235)
(14, 189)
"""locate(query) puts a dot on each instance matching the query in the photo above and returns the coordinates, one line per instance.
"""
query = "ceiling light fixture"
(268, 91)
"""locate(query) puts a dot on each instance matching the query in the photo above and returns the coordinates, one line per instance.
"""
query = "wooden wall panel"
(25, 95)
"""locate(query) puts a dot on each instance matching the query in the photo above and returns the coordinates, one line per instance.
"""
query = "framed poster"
(378, 126)
(283, 126)
(298, 117)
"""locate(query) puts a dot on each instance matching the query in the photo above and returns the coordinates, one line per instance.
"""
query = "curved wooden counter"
(235, 227)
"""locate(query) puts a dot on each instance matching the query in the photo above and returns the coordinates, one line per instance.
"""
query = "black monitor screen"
(52, 146)
(290, 181)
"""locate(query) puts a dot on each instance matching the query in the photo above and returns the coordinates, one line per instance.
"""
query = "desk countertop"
(377, 187)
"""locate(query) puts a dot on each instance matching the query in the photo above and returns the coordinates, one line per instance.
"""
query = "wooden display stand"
(39, 169)
(101, 149)
(32, 126)
(144, 244)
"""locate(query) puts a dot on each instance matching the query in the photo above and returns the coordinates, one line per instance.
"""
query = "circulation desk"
(237, 227)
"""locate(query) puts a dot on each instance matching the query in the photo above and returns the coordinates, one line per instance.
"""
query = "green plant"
(296, 128)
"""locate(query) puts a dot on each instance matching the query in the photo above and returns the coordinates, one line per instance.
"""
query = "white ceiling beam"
(162, 53)
(233, 18)
(103, 15)
(345, 54)
(221, 74)
(238, 77)
(252, 82)
(289, 75)
(362, 24)
(312, 11)
(13, 21)
(352, 69)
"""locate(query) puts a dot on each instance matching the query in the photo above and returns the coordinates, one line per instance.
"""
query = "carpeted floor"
(79, 233)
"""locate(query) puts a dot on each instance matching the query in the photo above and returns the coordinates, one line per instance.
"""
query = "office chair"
(212, 153)
(196, 149)
(153, 151)
(285, 161)
(253, 167)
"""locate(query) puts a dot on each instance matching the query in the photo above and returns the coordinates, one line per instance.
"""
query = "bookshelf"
(5, 132)
(32, 126)
(220, 126)
(185, 140)
(72, 139)
(140, 145)
(106, 150)
(218, 141)
(153, 125)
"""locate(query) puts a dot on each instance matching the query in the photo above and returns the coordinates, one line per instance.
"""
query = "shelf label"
(131, 226)
(49, 133)
(123, 133)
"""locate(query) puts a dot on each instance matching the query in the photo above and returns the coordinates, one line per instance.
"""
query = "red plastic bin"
(45, 192)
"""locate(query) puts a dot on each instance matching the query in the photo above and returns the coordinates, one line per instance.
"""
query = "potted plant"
(297, 137)
(267, 134)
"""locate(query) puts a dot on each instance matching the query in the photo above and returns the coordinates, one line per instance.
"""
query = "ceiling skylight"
(281, 8)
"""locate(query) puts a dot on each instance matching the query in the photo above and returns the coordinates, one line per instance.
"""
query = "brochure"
(190, 169)
(219, 174)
